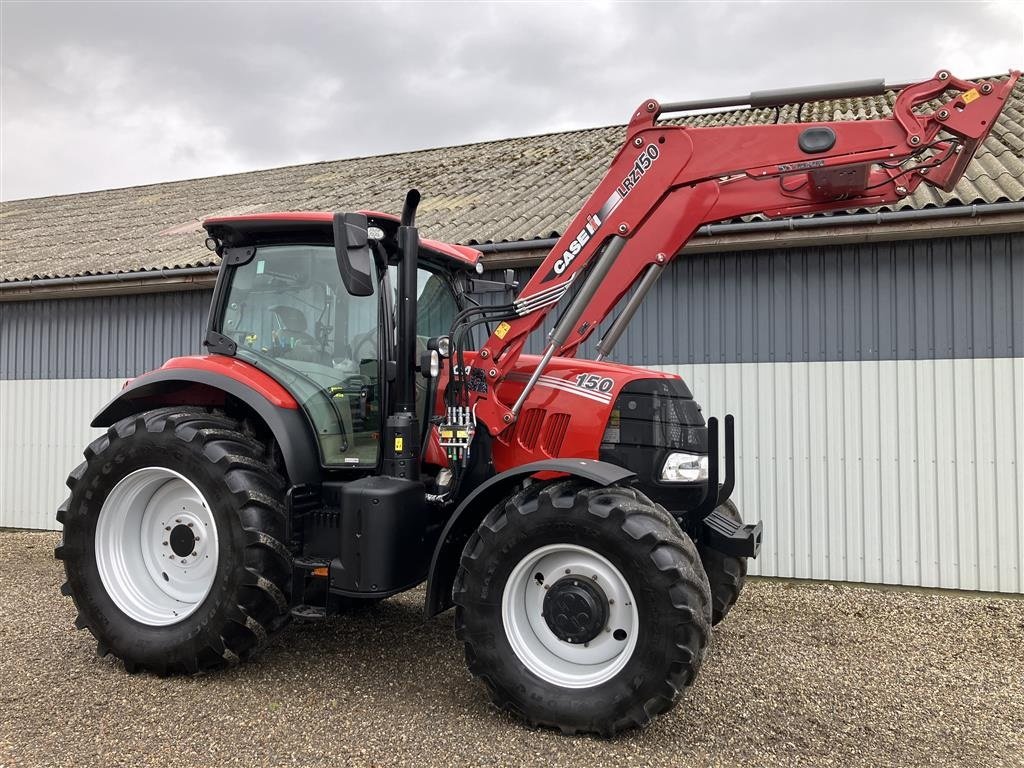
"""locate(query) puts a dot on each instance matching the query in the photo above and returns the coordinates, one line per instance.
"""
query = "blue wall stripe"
(99, 338)
(910, 300)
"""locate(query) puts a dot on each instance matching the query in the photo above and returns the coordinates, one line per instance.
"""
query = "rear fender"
(195, 386)
(483, 499)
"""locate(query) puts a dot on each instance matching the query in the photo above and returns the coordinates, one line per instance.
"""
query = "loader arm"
(668, 180)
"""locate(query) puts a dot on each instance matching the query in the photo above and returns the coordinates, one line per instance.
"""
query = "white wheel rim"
(554, 660)
(151, 568)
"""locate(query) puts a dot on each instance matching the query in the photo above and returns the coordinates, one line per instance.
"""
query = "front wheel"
(582, 608)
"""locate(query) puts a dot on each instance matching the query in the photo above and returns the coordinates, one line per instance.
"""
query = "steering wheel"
(362, 340)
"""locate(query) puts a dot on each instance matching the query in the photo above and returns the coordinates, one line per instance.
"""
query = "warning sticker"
(502, 330)
(399, 444)
(971, 95)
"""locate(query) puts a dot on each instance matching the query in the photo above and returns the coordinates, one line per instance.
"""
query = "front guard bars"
(719, 529)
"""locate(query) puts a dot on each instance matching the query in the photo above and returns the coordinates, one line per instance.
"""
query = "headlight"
(443, 345)
(685, 468)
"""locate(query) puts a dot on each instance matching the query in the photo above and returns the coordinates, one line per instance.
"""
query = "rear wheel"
(582, 608)
(726, 574)
(173, 542)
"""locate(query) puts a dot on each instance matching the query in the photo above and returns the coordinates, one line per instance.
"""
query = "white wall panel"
(44, 426)
(896, 472)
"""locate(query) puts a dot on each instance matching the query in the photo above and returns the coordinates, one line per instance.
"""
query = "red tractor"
(348, 438)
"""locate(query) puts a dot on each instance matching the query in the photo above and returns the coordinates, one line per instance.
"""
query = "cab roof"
(279, 227)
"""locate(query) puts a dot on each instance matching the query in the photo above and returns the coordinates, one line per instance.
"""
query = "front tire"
(173, 542)
(582, 608)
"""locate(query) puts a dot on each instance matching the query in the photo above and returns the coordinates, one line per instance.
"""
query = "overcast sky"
(96, 96)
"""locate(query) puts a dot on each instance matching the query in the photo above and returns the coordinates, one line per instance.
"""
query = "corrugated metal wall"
(897, 472)
(909, 300)
(879, 392)
(879, 396)
(45, 426)
(106, 337)
(60, 361)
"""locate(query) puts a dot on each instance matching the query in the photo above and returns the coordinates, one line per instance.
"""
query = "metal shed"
(875, 361)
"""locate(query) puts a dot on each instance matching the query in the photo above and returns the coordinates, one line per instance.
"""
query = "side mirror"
(352, 247)
(508, 285)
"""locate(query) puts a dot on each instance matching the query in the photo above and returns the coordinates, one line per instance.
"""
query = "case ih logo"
(643, 164)
(577, 243)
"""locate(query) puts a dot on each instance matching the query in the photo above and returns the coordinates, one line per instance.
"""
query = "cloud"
(105, 95)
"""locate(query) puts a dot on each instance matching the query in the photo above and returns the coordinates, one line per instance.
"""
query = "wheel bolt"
(568, 571)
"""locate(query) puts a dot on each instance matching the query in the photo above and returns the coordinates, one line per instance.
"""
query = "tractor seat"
(290, 333)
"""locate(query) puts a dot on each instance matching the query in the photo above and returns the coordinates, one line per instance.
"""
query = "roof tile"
(512, 189)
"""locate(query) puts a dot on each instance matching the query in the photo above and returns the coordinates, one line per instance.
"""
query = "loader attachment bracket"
(730, 537)
(716, 494)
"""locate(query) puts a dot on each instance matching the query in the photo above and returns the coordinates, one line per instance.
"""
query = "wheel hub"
(576, 610)
(182, 540)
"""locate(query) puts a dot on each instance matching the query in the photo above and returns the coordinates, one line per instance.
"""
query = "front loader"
(361, 425)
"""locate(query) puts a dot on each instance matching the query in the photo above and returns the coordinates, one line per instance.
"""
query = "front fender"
(473, 509)
(172, 384)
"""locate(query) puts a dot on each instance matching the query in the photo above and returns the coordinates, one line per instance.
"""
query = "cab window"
(289, 313)
(436, 307)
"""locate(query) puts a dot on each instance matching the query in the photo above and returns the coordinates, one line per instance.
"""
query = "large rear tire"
(173, 542)
(726, 574)
(582, 608)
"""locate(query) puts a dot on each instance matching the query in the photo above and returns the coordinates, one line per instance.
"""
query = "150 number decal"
(595, 382)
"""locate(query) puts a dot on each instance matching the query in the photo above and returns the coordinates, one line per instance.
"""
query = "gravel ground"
(797, 675)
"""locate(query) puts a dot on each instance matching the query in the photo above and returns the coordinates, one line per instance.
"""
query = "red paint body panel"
(560, 419)
(240, 371)
(463, 255)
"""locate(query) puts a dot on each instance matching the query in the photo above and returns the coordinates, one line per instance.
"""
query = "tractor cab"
(282, 305)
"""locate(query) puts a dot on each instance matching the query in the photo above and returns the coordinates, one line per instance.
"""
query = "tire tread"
(256, 486)
(633, 515)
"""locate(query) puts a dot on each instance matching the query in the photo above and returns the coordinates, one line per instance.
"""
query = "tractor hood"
(569, 411)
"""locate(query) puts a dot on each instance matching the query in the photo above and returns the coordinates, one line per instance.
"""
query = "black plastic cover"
(818, 139)
(352, 245)
(650, 419)
(379, 533)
